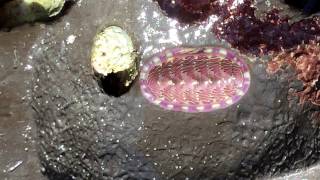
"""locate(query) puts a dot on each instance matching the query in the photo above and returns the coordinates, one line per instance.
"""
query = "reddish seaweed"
(305, 60)
(187, 11)
(241, 28)
(193, 11)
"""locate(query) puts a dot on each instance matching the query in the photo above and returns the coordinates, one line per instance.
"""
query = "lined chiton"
(195, 79)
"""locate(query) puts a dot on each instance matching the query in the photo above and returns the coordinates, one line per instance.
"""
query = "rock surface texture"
(85, 134)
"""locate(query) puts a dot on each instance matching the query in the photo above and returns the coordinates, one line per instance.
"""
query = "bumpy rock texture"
(85, 134)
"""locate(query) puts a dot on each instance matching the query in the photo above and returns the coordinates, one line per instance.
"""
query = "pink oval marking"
(195, 79)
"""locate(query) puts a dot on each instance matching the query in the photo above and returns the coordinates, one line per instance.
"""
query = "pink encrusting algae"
(195, 79)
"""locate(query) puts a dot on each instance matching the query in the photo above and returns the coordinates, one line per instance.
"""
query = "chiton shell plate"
(195, 79)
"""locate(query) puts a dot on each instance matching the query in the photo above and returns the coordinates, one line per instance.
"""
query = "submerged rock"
(85, 134)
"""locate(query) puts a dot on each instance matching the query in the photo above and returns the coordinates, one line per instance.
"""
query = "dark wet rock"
(86, 134)
(18, 156)
(82, 132)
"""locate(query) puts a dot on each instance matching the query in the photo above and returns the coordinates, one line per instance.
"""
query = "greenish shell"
(18, 12)
(113, 52)
(50, 7)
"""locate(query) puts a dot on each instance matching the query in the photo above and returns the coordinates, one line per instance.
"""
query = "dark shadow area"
(12, 14)
(113, 84)
(2, 2)
(307, 6)
(52, 175)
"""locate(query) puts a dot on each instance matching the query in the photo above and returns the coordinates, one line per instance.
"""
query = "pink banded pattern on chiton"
(195, 79)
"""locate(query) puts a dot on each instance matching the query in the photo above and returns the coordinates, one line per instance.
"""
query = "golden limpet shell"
(114, 54)
(17, 12)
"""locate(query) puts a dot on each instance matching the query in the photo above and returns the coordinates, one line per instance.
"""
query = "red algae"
(239, 26)
(243, 30)
(188, 11)
(305, 60)
(195, 11)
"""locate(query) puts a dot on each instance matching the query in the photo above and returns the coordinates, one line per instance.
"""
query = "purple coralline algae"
(241, 28)
(250, 34)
